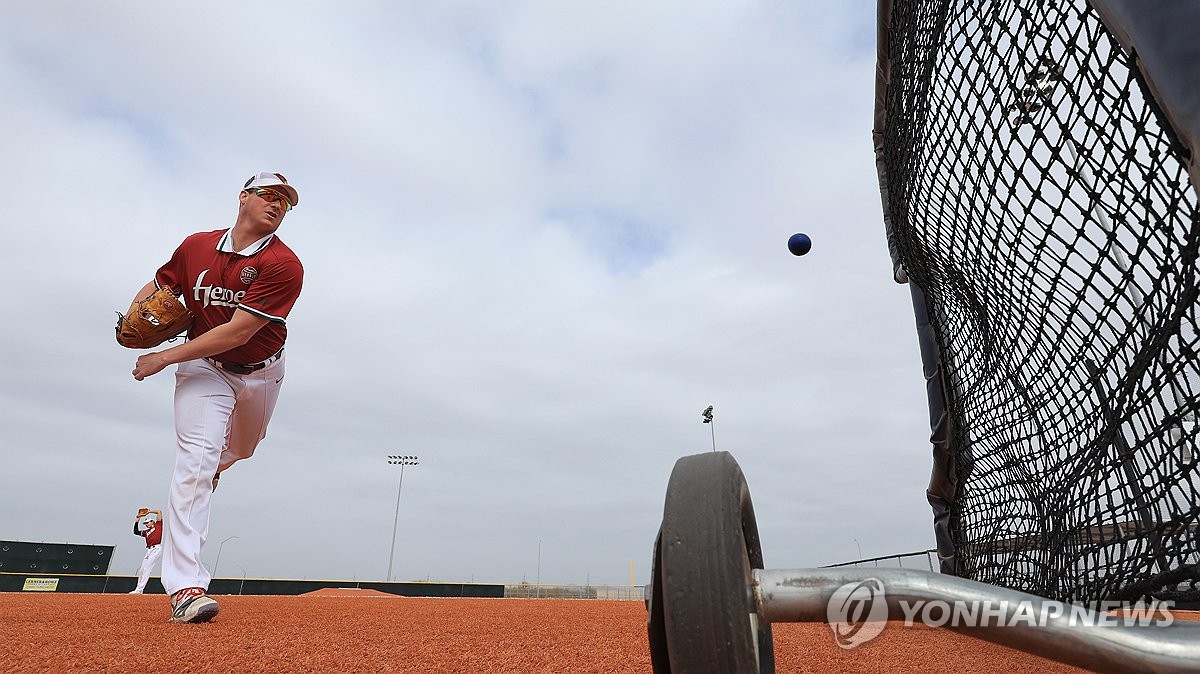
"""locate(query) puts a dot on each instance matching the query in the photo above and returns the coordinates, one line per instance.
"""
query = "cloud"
(538, 241)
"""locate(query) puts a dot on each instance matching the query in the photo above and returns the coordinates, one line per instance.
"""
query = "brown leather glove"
(154, 320)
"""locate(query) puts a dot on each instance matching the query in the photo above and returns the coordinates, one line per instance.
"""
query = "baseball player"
(148, 525)
(240, 283)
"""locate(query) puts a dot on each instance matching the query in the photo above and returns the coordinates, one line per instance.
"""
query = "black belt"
(246, 369)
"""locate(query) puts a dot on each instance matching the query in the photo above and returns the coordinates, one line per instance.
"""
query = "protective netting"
(1045, 209)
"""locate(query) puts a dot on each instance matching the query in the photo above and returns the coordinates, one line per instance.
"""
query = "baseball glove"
(142, 512)
(154, 320)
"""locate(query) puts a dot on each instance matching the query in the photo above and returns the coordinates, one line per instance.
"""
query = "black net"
(1044, 207)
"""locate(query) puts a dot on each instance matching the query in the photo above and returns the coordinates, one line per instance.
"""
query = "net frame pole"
(804, 595)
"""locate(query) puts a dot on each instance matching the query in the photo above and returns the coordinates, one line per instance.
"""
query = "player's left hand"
(149, 364)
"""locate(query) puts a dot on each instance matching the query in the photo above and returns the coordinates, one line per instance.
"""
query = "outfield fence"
(608, 592)
(924, 560)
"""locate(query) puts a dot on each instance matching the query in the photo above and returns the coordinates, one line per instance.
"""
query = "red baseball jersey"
(264, 279)
(152, 531)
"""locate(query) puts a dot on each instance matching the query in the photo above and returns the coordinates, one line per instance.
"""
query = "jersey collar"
(225, 245)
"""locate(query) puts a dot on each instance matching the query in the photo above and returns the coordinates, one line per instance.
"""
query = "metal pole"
(218, 562)
(707, 414)
(242, 586)
(1078, 635)
(401, 461)
(537, 589)
(395, 524)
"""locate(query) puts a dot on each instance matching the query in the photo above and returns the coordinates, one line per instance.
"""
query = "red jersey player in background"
(240, 283)
(149, 525)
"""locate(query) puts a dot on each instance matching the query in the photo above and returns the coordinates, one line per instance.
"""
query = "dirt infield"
(60, 632)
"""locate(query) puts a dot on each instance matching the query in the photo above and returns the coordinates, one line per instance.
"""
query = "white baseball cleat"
(193, 605)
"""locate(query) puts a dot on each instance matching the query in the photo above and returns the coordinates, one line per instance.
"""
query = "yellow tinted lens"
(273, 197)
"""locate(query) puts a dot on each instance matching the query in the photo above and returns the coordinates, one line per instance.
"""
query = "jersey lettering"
(215, 295)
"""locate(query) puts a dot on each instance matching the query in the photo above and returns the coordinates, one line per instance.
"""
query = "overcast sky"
(540, 237)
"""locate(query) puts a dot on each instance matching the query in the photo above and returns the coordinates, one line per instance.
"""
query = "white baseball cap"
(275, 180)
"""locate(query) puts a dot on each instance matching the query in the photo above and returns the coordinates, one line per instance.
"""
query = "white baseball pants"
(220, 418)
(152, 554)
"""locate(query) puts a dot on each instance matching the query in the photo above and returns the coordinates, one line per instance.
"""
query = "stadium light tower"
(401, 461)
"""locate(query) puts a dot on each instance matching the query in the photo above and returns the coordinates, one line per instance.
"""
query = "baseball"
(799, 244)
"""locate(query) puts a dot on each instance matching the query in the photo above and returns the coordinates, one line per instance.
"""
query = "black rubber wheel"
(656, 626)
(707, 549)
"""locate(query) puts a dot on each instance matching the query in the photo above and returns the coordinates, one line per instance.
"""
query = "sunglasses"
(273, 197)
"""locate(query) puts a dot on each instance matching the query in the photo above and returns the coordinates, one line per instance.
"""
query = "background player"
(240, 283)
(148, 524)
